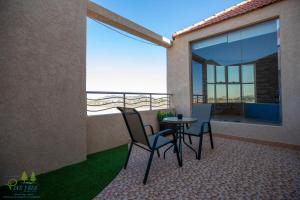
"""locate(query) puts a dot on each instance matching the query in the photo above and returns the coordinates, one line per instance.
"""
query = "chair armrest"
(151, 128)
(202, 126)
(160, 134)
(164, 132)
(204, 123)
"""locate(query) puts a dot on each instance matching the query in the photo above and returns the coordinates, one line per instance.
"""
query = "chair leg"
(177, 154)
(158, 154)
(130, 148)
(168, 150)
(148, 167)
(200, 147)
(211, 138)
(190, 139)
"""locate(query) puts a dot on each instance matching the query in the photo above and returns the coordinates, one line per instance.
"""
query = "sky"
(121, 64)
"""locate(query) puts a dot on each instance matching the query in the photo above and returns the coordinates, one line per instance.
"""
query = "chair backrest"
(202, 112)
(134, 125)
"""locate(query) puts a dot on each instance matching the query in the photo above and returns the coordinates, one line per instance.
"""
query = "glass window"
(210, 42)
(210, 93)
(248, 93)
(248, 73)
(210, 73)
(197, 78)
(234, 93)
(221, 93)
(242, 66)
(241, 46)
(233, 74)
(220, 74)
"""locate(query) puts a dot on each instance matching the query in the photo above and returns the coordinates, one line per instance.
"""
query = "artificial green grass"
(83, 181)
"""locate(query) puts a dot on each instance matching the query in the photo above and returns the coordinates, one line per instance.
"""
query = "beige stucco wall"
(42, 85)
(179, 76)
(108, 131)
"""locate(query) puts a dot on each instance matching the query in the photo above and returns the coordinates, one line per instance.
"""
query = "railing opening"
(99, 102)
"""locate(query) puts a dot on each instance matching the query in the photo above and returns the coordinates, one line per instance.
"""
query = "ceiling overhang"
(101, 14)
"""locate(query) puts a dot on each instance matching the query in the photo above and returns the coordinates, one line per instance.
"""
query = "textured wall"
(179, 76)
(108, 131)
(42, 85)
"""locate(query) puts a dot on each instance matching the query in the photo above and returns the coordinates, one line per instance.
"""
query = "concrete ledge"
(263, 142)
(108, 131)
(264, 132)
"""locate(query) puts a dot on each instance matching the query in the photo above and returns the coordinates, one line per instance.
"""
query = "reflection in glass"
(233, 74)
(210, 93)
(221, 93)
(210, 74)
(241, 46)
(220, 74)
(197, 78)
(248, 73)
(242, 68)
(248, 93)
(234, 93)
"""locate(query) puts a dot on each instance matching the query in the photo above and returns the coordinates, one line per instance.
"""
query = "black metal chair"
(138, 136)
(203, 113)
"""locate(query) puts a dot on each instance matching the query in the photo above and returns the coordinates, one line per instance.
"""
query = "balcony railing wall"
(99, 102)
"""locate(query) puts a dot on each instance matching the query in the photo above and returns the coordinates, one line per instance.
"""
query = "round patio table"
(180, 131)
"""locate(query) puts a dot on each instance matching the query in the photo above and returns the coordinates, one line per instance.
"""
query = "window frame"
(227, 83)
(249, 83)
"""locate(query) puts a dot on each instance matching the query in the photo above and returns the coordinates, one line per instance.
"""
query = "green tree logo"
(11, 183)
(32, 177)
(24, 177)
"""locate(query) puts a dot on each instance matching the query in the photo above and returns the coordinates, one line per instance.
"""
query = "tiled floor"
(233, 170)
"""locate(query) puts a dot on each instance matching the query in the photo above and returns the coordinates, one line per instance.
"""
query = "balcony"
(59, 141)
(236, 169)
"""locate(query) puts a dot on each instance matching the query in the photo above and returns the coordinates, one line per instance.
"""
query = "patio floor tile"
(233, 170)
